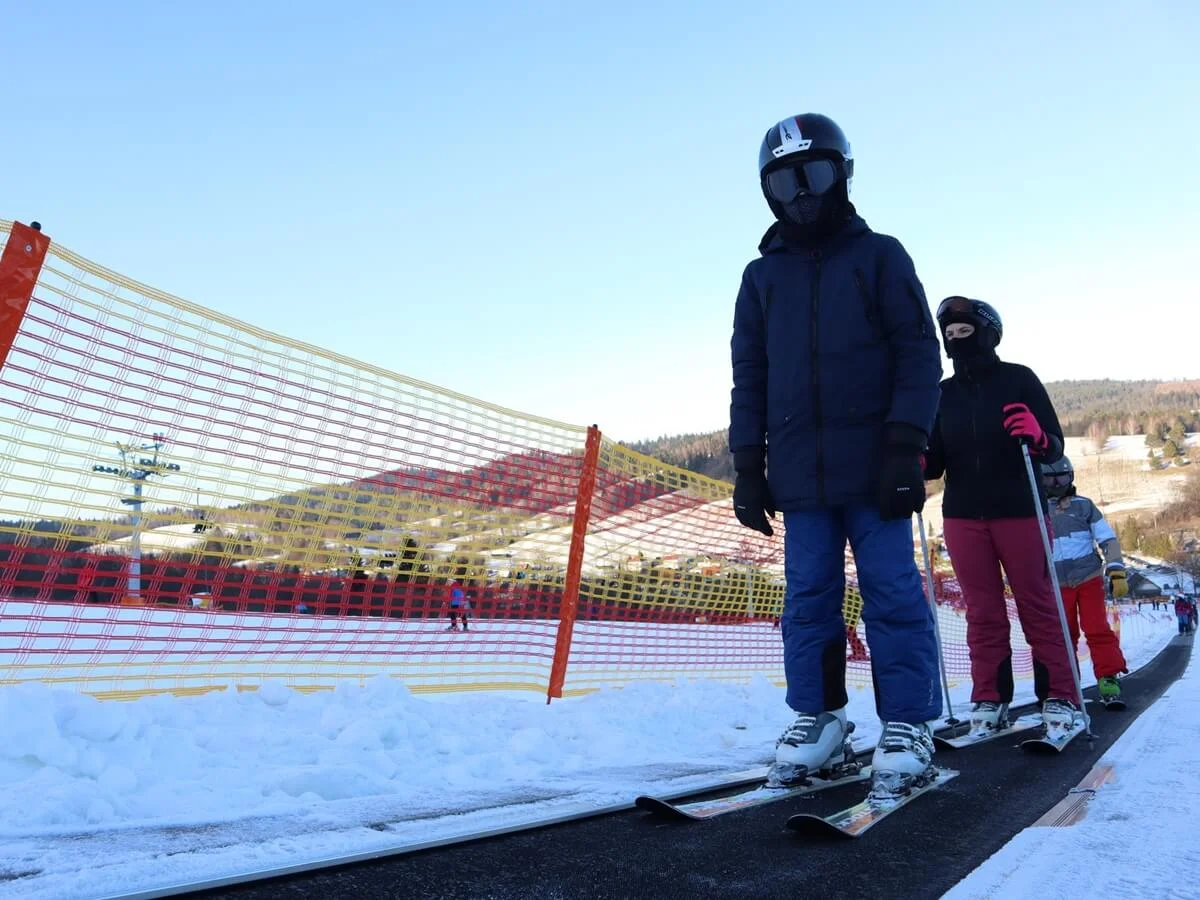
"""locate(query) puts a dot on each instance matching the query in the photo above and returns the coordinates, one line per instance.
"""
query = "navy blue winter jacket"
(834, 354)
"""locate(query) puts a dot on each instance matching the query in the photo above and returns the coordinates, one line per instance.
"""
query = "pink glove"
(1023, 425)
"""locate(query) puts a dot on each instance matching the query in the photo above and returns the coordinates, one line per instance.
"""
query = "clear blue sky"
(549, 205)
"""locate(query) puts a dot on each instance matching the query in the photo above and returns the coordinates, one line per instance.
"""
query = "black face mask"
(968, 347)
(812, 217)
(804, 210)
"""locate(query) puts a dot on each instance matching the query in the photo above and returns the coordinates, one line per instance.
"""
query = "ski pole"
(937, 630)
(1062, 613)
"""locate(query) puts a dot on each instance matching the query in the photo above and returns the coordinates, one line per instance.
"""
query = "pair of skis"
(855, 820)
(849, 822)
(1042, 742)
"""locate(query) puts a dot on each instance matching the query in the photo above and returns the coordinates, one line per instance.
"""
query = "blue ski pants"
(900, 635)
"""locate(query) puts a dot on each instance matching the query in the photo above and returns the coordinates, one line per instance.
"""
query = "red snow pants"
(1084, 604)
(978, 549)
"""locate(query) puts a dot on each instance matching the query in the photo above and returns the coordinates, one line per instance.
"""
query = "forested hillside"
(1096, 408)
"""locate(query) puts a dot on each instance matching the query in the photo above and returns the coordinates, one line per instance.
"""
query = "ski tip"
(814, 826)
(854, 821)
(662, 808)
(1044, 745)
(951, 738)
(1039, 746)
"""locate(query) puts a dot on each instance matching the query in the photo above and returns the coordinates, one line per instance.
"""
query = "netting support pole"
(20, 267)
(570, 599)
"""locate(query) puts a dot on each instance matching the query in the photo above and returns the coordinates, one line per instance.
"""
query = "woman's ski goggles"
(813, 176)
(959, 305)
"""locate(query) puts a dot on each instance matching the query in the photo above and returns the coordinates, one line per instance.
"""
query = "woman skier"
(988, 408)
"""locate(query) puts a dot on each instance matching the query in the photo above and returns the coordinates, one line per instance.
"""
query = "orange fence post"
(20, 266)
(570, 598)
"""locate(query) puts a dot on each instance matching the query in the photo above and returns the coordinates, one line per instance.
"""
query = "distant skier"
(459, 606)
(988, 408)
(1184, 611)
(835, 383)
(1078, 529)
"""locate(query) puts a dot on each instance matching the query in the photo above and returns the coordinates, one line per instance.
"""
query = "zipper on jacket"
(975, 432)
(816, 379)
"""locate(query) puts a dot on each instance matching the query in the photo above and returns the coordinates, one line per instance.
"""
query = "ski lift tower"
(136, 470)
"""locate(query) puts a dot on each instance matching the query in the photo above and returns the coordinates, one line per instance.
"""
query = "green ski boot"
(1110, 692)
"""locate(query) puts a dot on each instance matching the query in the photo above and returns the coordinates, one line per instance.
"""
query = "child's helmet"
(1058, 477)
(796, 142)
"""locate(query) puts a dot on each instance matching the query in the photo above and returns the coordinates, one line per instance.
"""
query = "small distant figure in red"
(858, 650)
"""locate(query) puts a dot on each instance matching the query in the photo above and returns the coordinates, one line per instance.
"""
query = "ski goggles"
(1058, 479)
(813, 176)
(956, 306)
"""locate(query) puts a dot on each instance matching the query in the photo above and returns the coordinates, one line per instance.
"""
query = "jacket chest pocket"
(868, 295)
(849, 315)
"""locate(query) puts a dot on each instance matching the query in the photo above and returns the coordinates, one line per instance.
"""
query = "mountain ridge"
(1093, 407)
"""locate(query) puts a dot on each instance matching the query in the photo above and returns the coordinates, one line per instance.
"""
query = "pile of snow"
(1149, 809)
(69, 760)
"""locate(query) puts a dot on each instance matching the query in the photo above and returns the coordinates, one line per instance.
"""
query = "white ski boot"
(988, 716)
(903, 759)
(814, 744)
(1060, 717)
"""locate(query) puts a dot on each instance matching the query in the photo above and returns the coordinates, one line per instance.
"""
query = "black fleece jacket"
(985, 472)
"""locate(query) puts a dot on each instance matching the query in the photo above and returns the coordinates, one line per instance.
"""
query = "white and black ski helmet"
(963, 309)
(806, 136)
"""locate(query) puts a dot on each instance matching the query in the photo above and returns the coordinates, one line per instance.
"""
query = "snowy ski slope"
(97, 793)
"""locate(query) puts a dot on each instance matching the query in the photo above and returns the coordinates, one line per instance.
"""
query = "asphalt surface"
(920, 851)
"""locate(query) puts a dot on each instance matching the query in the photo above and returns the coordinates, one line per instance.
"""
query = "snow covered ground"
(103, 797)
(1138, 839)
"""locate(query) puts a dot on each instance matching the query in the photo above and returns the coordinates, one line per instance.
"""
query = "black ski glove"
(902, 477)
(752, 500)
